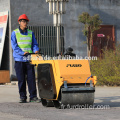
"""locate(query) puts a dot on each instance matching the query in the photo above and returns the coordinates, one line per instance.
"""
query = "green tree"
(91, 24)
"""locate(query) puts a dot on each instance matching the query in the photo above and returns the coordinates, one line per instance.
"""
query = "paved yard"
(107, 107)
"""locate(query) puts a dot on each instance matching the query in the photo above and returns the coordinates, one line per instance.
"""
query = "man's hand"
(25, 53)
(37, 52)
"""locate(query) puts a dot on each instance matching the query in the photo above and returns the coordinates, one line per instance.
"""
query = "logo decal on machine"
(73, 65)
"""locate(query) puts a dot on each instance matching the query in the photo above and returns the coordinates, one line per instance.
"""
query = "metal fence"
(46, 37)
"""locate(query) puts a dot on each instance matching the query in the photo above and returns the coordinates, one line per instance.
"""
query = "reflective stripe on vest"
(29, 32)
(20, 43)
(25, 38)
(17, 31)
(26, 49)
(24, 41)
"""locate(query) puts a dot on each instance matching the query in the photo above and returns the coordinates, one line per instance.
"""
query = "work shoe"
(22, 101)
(35, 99)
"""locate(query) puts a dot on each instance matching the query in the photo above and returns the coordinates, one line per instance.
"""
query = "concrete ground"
(107, 107)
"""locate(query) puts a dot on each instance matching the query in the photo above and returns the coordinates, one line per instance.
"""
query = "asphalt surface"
(106, 107)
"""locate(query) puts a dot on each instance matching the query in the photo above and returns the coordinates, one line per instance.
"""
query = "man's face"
(23, 23)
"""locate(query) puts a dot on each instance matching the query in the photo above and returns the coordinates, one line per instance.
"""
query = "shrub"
(107, 69)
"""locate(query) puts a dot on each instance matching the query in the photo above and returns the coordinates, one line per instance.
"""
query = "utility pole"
(57, 8)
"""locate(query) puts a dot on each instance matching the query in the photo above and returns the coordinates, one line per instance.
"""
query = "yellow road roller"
(64, 82)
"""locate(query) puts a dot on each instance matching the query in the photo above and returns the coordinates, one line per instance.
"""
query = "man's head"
(23, 21)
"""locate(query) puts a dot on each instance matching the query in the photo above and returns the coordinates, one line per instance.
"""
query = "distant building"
(37, 11)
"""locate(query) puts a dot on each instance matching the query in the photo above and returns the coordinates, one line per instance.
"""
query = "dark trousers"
(24, 69)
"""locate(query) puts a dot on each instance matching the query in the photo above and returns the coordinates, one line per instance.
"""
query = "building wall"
(109, 11)
(37, 11)
(4, 5)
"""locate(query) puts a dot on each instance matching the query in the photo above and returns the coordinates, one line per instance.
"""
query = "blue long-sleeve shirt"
(18, 54)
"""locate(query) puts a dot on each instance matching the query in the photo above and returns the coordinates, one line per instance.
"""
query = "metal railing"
(46, 37)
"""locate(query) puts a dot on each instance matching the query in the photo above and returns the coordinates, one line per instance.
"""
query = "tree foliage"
(91, 24)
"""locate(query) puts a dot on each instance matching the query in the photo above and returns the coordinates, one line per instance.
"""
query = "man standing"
(23, 41)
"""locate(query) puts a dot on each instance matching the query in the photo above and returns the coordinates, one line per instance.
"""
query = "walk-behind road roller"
(64, 82)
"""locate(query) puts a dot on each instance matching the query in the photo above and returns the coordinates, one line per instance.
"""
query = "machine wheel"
(86, 99)
(47, 103)
(78, 98)
(57, 104)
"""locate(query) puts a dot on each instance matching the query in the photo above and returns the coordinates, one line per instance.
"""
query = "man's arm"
(35, 47)
(15, 45)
